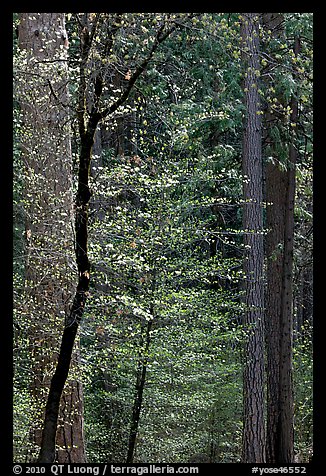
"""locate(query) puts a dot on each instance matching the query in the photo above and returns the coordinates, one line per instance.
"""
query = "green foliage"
(151, 261)
(303, 385)
(165, 233)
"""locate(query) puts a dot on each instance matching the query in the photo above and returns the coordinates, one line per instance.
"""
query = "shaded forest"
(163, 237)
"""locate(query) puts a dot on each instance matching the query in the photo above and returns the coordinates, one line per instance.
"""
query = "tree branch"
(159, 38)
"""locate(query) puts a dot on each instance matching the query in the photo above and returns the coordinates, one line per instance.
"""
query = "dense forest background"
(163, 273)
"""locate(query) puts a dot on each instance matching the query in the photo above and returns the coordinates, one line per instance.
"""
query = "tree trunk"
(47, 452)
(253, 450)
(49, 267)
(140, 385)
(286, 416)
(280, 193)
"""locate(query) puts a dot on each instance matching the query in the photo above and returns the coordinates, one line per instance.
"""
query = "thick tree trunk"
(253, 450)
(275, 183)
(275, 221)
(49, 209)
(280, 193)
(286, 400)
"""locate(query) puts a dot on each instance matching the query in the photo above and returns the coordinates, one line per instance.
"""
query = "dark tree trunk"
(140, 385)
(285, 452)
(47, 453)
(275, 221)
(280, 193)
(253, 450)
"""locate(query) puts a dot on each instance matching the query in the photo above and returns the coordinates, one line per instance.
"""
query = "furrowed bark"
(275, 222)
(253, 450)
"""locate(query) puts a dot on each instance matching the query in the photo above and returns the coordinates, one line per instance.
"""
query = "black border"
(6, 210)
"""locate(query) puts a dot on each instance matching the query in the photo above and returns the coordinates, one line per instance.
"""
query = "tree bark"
(253, 449)
(280, 195)
(49, 267)
(286, 399)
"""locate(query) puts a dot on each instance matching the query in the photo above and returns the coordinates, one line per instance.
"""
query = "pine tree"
(253, 416)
